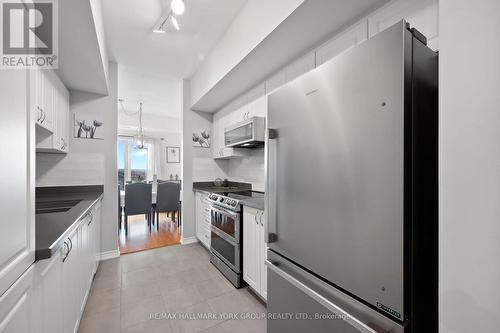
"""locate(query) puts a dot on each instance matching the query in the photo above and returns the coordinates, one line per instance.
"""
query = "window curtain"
(154, 159)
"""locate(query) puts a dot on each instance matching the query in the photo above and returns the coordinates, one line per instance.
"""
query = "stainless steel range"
(227, 233)
(225, 239)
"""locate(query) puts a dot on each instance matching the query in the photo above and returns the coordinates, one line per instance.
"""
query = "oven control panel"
(224, 201)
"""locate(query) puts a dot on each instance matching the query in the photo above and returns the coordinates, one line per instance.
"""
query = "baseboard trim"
(109, 254)
(189, 240)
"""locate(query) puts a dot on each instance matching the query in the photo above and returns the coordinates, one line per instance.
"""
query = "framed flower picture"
(173, 154)
(88, 127)
(201, 138)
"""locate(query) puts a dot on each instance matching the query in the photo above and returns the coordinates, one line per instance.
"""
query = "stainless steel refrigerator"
(352, 192)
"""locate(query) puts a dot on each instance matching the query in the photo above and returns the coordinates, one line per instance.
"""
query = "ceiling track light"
(161, 29)
(174, 22)
(178, 7)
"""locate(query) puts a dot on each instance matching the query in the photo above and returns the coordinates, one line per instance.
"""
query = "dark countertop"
(231, 187)
(257, 201)
(53, 228)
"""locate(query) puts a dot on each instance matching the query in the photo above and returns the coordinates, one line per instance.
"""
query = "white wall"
(198, 164)
(469, 166)
(167, 169)
(165, 131)
(242, 36)
(153, 124)
(96, 7)
(90, 162)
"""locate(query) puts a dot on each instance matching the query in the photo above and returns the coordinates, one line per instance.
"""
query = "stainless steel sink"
(60, 206)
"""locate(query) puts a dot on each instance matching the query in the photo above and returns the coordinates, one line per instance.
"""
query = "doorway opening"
(149, 197)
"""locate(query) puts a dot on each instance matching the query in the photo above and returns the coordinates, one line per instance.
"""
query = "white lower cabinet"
(202, 216)
(71, 284)
(254, 250)
(63, 281)
(17, 306)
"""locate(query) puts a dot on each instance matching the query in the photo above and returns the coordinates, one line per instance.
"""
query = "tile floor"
(143, 291)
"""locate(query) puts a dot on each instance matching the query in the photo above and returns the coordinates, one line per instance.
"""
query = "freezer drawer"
(300, 302)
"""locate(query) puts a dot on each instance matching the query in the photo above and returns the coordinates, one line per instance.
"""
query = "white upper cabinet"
(17, 198)
(258, 108)
(300, 66)
(291, 71)
(42, 98)
(421, 14)
(252, 104)
(51, 109)
(342, 42)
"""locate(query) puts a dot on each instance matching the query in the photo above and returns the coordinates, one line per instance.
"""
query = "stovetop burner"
(232, 200)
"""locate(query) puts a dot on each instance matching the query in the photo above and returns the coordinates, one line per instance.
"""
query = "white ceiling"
(152, 66)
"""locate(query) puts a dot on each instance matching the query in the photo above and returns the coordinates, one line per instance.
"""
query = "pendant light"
(139, 137)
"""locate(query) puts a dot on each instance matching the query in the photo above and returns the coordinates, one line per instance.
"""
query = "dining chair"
(138, 201)
(167, 200)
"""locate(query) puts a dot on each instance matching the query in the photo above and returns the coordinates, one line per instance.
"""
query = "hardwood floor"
(139, 237)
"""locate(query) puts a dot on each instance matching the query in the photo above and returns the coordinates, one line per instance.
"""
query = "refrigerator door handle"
(270, 231)
(351, 320)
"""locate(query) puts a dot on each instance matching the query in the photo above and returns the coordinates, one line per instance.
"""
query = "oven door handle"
(224, 236)
(224, 211)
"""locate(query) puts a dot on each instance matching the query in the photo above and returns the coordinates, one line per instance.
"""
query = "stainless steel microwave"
(246, 134)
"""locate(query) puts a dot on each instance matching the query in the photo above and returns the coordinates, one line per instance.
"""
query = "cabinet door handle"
(71, 247)
(43, 114)
(91, 219)
(260, 218)
(255, 218)
(67, 251)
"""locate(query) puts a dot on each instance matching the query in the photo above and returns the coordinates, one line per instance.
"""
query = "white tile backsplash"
(207, 169)
(70, 169)
(249, 169)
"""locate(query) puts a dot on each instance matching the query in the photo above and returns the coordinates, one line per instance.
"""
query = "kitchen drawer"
(205, 236)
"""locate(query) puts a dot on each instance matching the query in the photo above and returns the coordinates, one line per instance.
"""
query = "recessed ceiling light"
(174, 22)
(178, 7)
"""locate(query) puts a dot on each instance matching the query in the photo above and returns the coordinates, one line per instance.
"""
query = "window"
(132, 162)
(138, 163)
